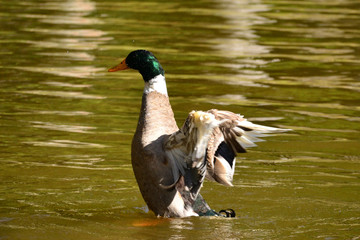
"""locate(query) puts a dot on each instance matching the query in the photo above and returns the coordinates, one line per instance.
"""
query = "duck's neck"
(156, 115)
(156, 84)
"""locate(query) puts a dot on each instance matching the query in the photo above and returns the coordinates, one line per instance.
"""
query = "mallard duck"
(170, 164)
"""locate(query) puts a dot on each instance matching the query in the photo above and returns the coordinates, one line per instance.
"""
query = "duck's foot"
(227, 213)
(203, 209)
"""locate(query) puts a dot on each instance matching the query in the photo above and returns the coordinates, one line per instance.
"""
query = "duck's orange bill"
(119, 67)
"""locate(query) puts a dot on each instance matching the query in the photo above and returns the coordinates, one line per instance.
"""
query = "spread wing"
(186, 151)
(206, 146)
(233, 136)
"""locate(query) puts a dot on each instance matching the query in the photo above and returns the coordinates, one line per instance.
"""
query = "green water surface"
(66, 124)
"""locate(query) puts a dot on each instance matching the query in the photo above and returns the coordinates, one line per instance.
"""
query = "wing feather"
(235, 134)
(186, 150)
(207, 145)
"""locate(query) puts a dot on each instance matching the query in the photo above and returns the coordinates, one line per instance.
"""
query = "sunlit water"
(66, 124)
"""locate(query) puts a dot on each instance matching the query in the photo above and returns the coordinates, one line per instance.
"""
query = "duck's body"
(149, 161)
(148, 158)
(169, 163)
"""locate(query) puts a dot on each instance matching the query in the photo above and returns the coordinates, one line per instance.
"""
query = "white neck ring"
(156, 84)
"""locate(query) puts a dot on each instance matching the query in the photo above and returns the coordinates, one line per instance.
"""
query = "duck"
(170, 163)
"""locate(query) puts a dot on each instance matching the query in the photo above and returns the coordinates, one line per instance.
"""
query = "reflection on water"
(240, 18)
(66, 125)
(240, 40)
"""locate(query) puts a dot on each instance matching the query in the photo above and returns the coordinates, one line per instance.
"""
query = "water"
(66, 124)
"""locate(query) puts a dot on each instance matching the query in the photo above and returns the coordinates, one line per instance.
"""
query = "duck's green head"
(143, 61)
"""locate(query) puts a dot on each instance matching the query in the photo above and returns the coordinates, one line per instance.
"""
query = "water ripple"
(63, 113)
(65, 144)
(64, 84)
(62, 127)
(77, 72)
(62, 94)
